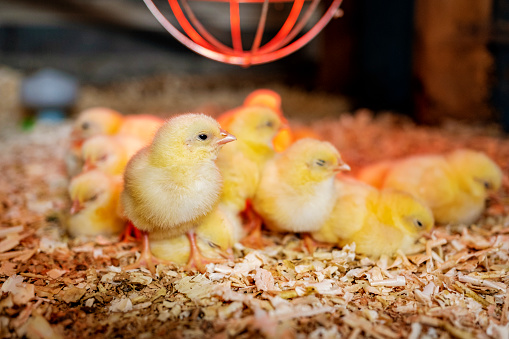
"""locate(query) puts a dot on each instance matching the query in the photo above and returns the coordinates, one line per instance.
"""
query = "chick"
(296, 191)
(173, 183)
(242, 162)
(215, 237)
(269, 99)
(378, 222)
(455, 185)
(96, 121)
(95, 202)
(141, 126)
(109, 154)
(90, 122)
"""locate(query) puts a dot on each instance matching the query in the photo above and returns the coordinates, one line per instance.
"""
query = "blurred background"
(431, 60)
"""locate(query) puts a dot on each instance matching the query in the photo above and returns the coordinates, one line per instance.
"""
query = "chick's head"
(264, 97)
(90, 189)
(256, 124)
(405, 211)
(311, 160)
(100, 152)
(188, 138)
(96, 121)
(476, 171)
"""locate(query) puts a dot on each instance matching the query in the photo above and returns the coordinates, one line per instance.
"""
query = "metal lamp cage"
(292, 35)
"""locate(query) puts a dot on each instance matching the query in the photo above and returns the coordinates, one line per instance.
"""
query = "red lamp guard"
(202, 42)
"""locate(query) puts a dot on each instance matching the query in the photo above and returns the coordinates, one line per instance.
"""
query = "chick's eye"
(487, 185)
(85, 125)
(94, 197)
(203, 136)
(320, 162)
(269, 124)
(418, 223)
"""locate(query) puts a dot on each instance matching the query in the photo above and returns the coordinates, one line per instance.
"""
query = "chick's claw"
(196, 260)
(146, 259)
(255, 239)
(130, 233)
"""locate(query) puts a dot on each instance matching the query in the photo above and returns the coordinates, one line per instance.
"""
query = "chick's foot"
(311, 244)
(146, 258)
(196, 260)
(130, 233)
(254, 226)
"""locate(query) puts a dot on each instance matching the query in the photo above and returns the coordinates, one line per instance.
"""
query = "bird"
(141, 126)
(172, 184)
(454, 185)
(95, 205)
(215, 236)
(95, 121)
(296, 191)
(264, 98)
(241, 163)
(105, 121)
(110, 153)
(378, 221)
(90, 122)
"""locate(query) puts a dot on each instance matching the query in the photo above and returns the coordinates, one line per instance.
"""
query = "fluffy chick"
(141, 126)
(455, 185)
(109, 154)
(173, 183)
(378, 222)
(296, 191)
(95, 203)
(242, 162)
(96, 121)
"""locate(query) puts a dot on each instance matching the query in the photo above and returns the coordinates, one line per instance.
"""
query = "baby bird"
(90, 122)
(455, 185)
(141, 126)
(241, 163)
(296, 191)
(95, 203)
(378, 222)
(173, 183)
(96, 121)
(108, 153)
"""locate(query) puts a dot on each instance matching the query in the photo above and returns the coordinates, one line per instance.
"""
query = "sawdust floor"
(455, 286)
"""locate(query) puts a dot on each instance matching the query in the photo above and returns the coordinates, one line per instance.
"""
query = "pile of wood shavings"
(456, 285)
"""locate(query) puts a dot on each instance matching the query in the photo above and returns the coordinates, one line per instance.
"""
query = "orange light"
(198, 39)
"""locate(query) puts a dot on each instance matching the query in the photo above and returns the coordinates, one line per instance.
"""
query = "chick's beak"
(88, 165)
(342, 166)
(76, 206)
(225, 137)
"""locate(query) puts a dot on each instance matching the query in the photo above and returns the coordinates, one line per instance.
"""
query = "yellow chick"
(109, 154)
(96, 121)
(141, 126)
(455, 185)
(378, 222)
(242, 162)
(173, 183)
(95, 201)
(90, 122)
(296, 191)
(264, 98)
(215, 237)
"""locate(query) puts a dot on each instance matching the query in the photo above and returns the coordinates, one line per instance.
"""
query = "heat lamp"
(291, 36)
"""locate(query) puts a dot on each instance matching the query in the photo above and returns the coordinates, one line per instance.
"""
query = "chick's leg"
(146, 258)
(130, 233)
(254, 227)
(311, 244)
(196, 259)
